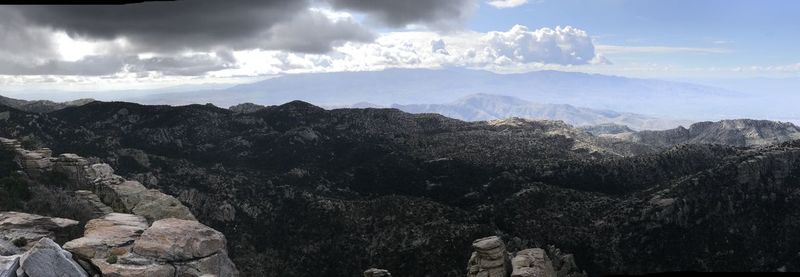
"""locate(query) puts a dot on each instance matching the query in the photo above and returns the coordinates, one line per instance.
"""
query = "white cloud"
(504, 4)
(511, 50)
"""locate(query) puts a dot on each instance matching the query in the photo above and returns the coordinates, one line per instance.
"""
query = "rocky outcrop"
(532, 263)
(564, 263)
(111, 234)
(154, 205)
(121, 195)
(91, 200)
(114, 244)
(35, 163)
(177, 240)
(25, 229)
(124, 245)
(376, 272)
(490, 258)
(133, 197)
(73, 168)
(47, 259)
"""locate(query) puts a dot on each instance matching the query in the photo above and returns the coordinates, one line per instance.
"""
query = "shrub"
(20, 242)
(112, 259)
(14, 191)
(28, 143)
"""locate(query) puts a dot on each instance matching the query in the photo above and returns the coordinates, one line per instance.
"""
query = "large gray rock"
(122, 197)
(123, 245)
(532, 263)
(47, 259)
(9, 265)
(35, 163)
(96, 206)
(112, 234)
(155, 205)
(31, 228)
(179, 240)
(7, 248)
(98, 172)
(490, 258)
(133, 197)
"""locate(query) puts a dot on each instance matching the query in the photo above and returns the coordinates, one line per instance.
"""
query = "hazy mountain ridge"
(41, 106)
(481, 107)
(737, 132)
(349, 189)
(484, 107)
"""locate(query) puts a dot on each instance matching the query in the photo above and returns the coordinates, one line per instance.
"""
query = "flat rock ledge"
(19, 231)
(123, 245)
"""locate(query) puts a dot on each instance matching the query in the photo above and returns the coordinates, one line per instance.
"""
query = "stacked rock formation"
(136, 231)
(490, 258)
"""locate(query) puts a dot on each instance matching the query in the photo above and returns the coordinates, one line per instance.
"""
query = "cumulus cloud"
(504, 4)
(565, 45)
(517, 48)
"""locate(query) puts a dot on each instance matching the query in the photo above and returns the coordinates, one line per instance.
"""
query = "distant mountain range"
(484, 107)
(481, 107)
(41, 106)
(412, 86)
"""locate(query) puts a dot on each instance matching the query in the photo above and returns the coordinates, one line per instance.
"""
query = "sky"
(162, 44)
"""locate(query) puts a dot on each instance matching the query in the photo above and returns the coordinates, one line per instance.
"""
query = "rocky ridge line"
(137, 232)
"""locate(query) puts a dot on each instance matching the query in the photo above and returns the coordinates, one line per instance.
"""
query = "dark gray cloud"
(398, 13)
(313, 32)
(110, 64)
(20, 42)
(200, 25)
(169, 26)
